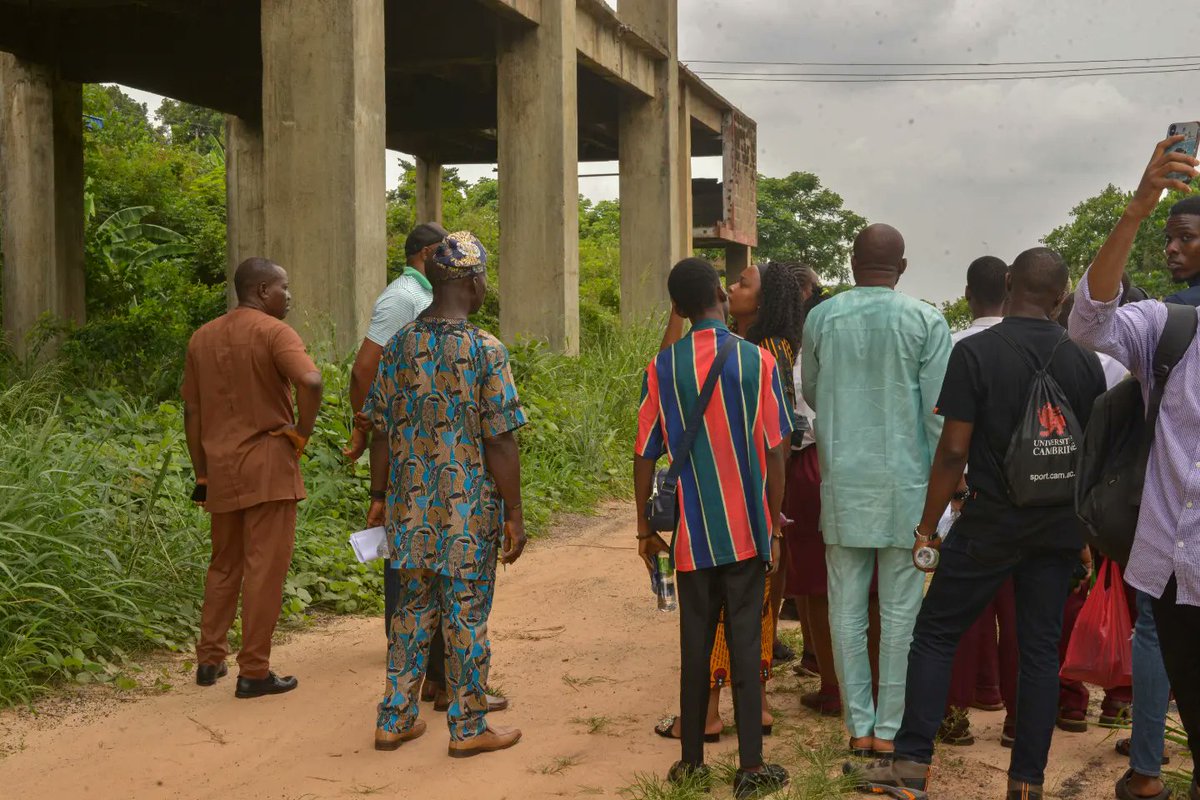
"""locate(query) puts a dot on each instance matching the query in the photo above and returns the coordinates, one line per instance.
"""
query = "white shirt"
(981, 324)
(803, 408)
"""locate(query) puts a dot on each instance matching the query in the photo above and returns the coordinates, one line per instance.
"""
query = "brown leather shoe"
(491, 740)
(442, 702)
(386, 740)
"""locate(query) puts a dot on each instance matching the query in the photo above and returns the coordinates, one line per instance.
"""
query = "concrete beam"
(324, 160)
(429, 191)
(41, 197)
(538, 140)
(245, 225)
(737, 258)
(522, 10)
(651, 167)
(609, 48)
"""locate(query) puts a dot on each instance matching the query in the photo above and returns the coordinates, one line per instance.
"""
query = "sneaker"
(896, 772)
(1018, 790)
(771, 778)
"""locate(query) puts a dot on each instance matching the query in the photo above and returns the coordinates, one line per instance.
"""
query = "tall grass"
(102, 554)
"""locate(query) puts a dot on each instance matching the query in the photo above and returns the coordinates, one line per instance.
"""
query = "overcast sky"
(962, 169)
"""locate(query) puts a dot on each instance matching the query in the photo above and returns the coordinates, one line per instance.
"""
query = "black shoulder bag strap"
(1024, 357)
(1176, 338)
(695, 420)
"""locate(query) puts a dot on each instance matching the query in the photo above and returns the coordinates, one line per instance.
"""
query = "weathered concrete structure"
(316, 89)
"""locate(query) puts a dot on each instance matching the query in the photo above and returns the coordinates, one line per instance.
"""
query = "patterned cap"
(461, 255)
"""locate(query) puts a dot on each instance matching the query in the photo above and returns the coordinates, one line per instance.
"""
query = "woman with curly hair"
(767, 308)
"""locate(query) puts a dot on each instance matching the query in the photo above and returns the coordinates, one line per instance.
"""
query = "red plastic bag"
(1100, 652)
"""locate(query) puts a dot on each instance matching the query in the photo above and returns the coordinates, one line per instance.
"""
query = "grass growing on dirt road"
(102, 554)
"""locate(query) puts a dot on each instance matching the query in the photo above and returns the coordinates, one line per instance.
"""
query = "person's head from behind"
(1039, 279)
(695, 289)
(421, 243)
(878, 256)
(771, 296)
(261, 283)
(987, 287)
(457, 269)
(1182, 234)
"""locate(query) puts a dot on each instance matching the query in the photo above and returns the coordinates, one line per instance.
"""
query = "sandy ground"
(579, 648)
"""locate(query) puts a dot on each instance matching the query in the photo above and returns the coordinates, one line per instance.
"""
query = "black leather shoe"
(207, 674)
(682, 772)
(272, 684)
(771, 778)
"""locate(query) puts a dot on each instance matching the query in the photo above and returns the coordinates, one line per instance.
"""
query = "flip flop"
(1124, 746)
(665, 730)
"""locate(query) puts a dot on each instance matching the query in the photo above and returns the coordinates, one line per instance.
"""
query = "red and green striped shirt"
(723, 485)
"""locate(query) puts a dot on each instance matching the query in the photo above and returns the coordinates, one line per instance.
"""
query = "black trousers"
(1179, 638)
(966, 580)
(740, 588)
(435, 672)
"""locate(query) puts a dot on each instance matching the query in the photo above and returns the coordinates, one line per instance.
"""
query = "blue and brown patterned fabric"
(461, 255)
(443, 386)
(461, 608)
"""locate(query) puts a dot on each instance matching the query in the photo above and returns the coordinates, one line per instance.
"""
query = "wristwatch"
(962, 496)
(920, 537)
(378, 495)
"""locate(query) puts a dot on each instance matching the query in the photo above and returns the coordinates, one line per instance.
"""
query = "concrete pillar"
(429, 191)
(245, 227)
(41, 197)
(737, 258)
(538, 142)
(651, 168)
(684, 156)
(324, 161)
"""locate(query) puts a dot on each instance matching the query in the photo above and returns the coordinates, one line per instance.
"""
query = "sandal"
(862, 752)
(1124, 792)
(665, 729)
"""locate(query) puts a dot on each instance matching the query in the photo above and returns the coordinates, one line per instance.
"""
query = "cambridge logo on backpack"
(1039, 466)
(1116, 445)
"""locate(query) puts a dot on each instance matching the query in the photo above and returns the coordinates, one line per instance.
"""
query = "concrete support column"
(324, 160)
(684, 156)
(737, 258)
(651, 168)
(538, 141)
(245, 227)
(41, 196)
(429, 191)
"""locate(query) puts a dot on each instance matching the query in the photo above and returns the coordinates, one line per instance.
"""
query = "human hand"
(1155, 179)
(357, 446)
(1085, 558)
(376, 513)
(514, 540)
(776, 556)
(362, 422)
(650, 547)
(934, 542)
(298, 441)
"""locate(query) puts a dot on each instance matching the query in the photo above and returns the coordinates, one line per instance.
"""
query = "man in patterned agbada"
(446, 481)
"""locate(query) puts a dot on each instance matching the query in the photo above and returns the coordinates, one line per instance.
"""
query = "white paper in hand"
(369, 544)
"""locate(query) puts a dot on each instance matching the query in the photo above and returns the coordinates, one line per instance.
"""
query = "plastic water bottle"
(926, 559)
(666, 584)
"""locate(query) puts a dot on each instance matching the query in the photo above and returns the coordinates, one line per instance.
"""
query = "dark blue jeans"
(435, 672)
(966, 580)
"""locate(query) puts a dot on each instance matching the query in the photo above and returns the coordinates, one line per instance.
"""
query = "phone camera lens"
(1172, 131)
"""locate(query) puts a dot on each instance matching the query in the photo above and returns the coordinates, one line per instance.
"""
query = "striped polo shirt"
(723, 486)
(400, 303)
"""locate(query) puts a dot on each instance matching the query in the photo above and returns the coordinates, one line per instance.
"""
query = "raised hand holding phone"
(1188, 145)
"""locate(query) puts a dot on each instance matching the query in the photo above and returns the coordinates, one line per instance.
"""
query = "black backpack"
(1116, 446)
(1039, 466)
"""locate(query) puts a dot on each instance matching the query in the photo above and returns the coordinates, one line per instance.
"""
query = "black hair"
(694, 286)
(986, 280)
(422, 236)
(1040, 272)
(781, 307)
(1188, 205)
(252, 272)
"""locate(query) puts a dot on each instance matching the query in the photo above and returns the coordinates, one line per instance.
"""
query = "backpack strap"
(1024, 357)
(1177, 335)
(695, 420)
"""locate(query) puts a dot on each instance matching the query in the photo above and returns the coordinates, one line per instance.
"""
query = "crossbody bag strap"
(1177, 335)
(695, 420)
(1024, 357)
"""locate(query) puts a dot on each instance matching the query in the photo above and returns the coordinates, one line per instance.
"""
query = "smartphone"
(1188, 146)
(200, 493)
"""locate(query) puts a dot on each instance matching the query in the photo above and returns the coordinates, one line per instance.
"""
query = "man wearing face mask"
(245, 442)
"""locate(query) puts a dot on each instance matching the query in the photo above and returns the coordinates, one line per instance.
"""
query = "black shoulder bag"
(662, 509)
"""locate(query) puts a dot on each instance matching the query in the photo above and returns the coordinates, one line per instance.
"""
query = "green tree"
(194, 126)
(1091, 222)
(957, 314)
(798, 218)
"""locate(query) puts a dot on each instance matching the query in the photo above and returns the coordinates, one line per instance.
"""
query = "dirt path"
(588, 664)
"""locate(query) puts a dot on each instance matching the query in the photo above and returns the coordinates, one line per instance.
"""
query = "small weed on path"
(558, 765)
(594, 725)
